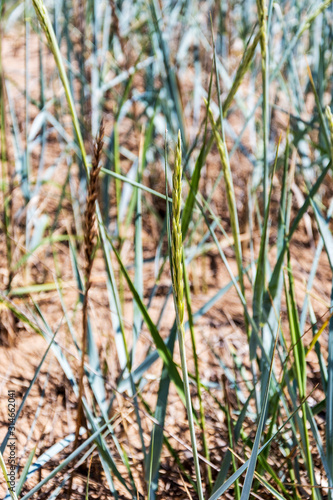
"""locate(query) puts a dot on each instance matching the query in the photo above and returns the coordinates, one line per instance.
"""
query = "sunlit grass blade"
(7, 480)
(47, 27)
(24, 473)
(299, 366)
(194, 183)
(224, 158)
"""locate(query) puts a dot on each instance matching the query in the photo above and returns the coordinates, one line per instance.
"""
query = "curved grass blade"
(4, 471)
(24, 473)
(194, 183)
(224, 158)
(47, 27)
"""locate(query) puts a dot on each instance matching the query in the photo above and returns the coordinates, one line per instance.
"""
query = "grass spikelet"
(178, 293)
(262, 13)
(177, 244)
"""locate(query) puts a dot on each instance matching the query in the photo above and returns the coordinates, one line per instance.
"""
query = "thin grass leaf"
(47, 27)
(4, 471)
(224, 158)
(194, 184)
(275, 278)
(24, 473)
(255, 450)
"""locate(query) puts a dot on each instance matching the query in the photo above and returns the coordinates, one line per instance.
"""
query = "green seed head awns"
(177, 240)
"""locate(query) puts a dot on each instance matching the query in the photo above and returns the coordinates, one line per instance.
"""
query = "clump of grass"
(98, 69)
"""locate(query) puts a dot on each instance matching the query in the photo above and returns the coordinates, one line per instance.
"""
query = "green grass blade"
(255, 450)
(24, 473)
(5, 474)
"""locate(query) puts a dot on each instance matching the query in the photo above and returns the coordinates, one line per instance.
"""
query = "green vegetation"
(138, 141)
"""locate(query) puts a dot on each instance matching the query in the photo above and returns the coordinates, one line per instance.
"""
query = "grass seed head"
(90, 214)
(177, 238)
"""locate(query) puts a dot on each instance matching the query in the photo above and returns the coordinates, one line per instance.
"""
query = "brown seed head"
(90, 214)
